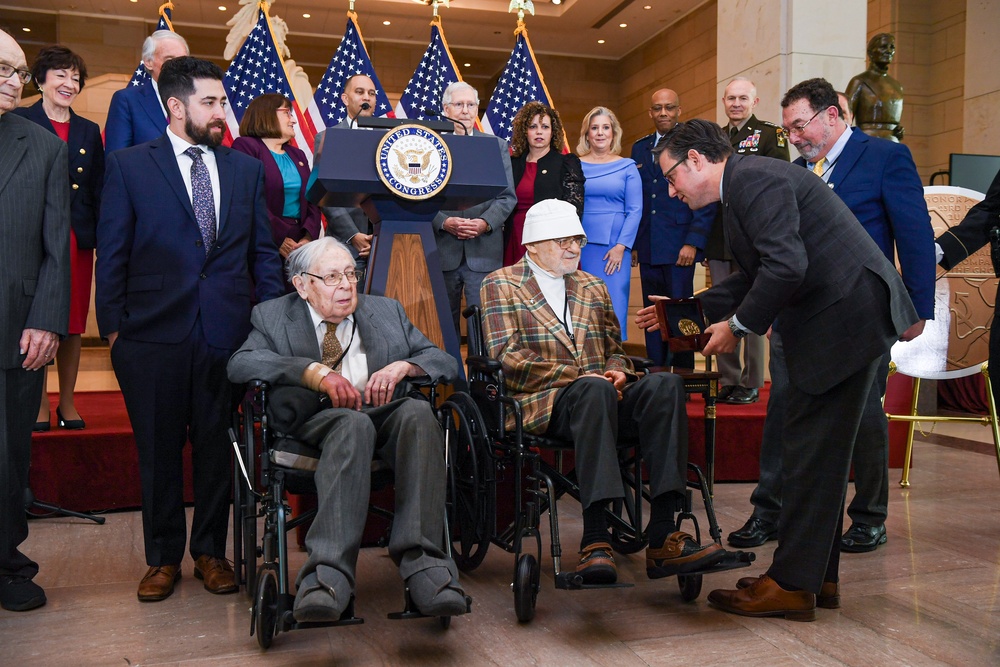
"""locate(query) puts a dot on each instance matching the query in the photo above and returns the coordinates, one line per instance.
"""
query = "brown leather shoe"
(828, 598)
(597, 564)
(217, 574)
(681, 554)
(158, 583)
(764, 597)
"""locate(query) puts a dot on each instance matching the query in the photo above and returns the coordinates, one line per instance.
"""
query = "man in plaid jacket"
(554, 330)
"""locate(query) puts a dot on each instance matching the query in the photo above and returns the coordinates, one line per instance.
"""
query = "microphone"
(434, 112)
(364, 107)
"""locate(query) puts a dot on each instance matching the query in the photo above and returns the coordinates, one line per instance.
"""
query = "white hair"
(302, 258)
(453, 88)
(149, 46)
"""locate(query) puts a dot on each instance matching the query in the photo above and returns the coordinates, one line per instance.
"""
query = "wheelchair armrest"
(483, 364)
(642, 364)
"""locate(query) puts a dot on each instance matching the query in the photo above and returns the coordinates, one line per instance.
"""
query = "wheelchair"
(268, 466)
(490, 464)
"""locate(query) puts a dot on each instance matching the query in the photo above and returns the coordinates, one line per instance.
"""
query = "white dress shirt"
(184, 163)
(354, 365)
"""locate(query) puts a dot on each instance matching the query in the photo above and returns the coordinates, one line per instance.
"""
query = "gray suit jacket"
(485, 252)
(808, 266)
(283, 342)
(34, 234)
(342, 223)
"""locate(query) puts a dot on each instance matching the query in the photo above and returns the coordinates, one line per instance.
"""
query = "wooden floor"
(931, 596)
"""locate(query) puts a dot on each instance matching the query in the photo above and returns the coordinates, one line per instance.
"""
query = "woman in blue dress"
(612, 206)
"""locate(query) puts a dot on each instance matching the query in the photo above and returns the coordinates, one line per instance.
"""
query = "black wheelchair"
(491, 465)
(269, 466)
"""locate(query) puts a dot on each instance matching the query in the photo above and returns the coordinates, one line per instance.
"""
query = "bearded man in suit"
(358, 350)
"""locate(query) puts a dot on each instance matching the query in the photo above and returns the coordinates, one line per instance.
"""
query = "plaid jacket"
(538, 358)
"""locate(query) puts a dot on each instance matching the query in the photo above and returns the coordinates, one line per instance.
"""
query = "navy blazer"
(86, 170)
(153, 276)
(878, 181)
(274, 191)
(135, 116)
(667, 223)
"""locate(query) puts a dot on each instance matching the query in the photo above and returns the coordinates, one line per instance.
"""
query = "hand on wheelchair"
(382, 383)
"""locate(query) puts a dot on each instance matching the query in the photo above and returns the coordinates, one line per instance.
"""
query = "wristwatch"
(737, 332)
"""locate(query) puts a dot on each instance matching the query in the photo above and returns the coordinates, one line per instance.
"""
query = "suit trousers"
(674, 281)
(819, 432)
(406, 435)
(651, 413)
(750, 371)
(871, 451)
(19, 391)
(175, 393)
(455, 282)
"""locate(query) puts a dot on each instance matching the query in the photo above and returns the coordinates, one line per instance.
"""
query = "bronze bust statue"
(875, 98)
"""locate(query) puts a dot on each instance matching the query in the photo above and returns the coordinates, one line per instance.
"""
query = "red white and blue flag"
(436, 71)
(350, 58)
(141, 76)
(520, 83)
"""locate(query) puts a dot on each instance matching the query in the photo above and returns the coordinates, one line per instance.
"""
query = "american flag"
(520, 83)
(141, 76)
(350, 58)
(434, 73)
(258, 69)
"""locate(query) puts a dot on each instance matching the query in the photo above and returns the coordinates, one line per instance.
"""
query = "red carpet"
(97, 468)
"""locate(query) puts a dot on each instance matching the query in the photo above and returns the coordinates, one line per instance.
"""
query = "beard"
(203, 134)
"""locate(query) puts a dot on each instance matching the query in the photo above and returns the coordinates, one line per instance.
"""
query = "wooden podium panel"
(409, 283)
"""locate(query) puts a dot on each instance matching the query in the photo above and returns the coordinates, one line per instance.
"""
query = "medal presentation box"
(682, 324)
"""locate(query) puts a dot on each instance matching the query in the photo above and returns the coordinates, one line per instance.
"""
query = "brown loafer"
(217, 574)
(764, 597)
(158, 583)
(597, 564)
(828, 598)
(681, 554)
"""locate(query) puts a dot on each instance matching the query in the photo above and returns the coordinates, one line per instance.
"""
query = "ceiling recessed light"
(26, 29)
(648, 7)
(222, 8)
(556, 2)
(600, 41)
(386, 22)
(623, 25)
(133, 0)
(466, 64)
(307, 16)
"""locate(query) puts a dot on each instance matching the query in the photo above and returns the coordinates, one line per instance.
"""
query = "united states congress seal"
(413, 162)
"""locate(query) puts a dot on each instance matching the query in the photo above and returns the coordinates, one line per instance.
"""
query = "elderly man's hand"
(645, 318)
(39, 346)
(383, 382)
(342, 393)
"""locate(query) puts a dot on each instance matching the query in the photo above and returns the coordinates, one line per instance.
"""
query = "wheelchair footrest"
(348, 618)
(571, 581)
(410, 610)
(733, 560)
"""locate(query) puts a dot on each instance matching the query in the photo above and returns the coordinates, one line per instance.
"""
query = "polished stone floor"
(931, 596)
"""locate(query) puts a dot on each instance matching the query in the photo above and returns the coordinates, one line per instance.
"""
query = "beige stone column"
(778, 43)
(981, 132)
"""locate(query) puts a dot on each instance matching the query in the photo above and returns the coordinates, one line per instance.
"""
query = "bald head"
(739, 100)
(11, 86)
(665, 110)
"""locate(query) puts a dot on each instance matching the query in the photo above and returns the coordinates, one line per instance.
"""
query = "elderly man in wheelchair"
(358, 352)
(554, 331)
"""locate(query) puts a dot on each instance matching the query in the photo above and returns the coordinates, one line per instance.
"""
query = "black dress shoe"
(70, 424)
(18, 593)
(862, 538)
(742, 396)
(725, 391)
(754, 533)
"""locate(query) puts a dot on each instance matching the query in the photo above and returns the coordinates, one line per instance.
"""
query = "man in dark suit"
(136, 114)
(671, 236)
(742, 379)
(183, 243)
(807, 268)
(359, 352)
(878, 181)
(34, 300)
(470, 242)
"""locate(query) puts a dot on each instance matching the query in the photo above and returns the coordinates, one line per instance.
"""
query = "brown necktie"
(332, 349)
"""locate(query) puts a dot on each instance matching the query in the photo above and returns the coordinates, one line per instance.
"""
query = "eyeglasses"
(798, 129)
(285, 110)
(463, 105)
(657, 108)
(334, 279)
(666, 174)
(7, 71)
(565, 242)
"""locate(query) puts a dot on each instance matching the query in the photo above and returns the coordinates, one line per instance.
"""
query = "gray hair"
(455, 87)
(149, 46)
(302, 258)
(743, 78)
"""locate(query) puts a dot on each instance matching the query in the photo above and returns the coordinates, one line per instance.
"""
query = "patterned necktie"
(818, 166)
(332, 349)
(202, 198)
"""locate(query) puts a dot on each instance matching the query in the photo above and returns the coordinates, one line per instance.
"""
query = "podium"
(404, 263)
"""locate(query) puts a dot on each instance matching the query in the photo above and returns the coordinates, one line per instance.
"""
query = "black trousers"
(175, 393)
(652, 412)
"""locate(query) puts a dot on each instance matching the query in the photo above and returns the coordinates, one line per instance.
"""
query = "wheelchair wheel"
(470, 493)
(690, 585)
(526, 587)
(265, 608)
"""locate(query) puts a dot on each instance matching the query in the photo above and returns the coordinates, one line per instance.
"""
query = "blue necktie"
(202, 198)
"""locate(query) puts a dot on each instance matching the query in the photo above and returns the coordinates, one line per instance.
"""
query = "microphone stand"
(434, 112)
(364, 107)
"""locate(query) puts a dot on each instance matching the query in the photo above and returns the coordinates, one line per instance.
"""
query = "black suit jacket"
(559, 177)
(807, 266)
(86, 170)
(973, 232)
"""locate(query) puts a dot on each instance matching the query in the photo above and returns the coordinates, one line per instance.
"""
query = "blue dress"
(612, 208)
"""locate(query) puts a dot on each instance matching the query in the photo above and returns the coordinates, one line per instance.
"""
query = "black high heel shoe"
(39, 427)
(70, 424)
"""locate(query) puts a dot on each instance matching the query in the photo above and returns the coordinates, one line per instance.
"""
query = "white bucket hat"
(551, 219)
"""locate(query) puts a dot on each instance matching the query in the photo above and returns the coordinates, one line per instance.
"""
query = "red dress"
(513, 250)
(81, 266)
